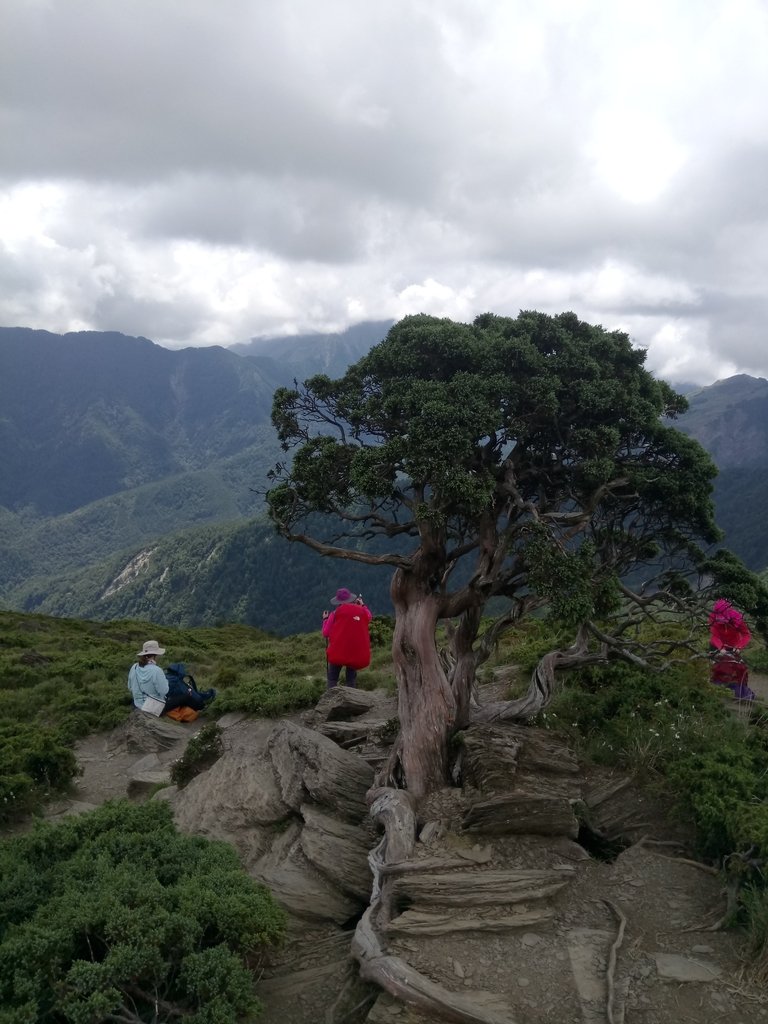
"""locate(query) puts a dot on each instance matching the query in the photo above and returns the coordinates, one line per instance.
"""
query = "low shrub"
(33, 761)
(675, 729)
(271, 696)
(114, 915)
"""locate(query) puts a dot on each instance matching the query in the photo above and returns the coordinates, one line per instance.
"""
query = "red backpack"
(349, 642)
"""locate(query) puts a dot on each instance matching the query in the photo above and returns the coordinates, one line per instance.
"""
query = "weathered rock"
(477, 888)
(297, 885)
(297, 995)
(570, 787)
(587, 951)
(673, 967)
(490, 758)
(345, 733)
(67, 809)
(423, 922)
(237, 799)
(140, 783)
(338, 851)
(544, 751)
(148, 763)
(230, 718)
(144, 734)
(344, 702)
(310, 767)
(519, 813)
(499, 758)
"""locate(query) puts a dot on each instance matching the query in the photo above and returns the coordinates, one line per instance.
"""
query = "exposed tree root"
(691, 863)
(391, 772)
(393, 809)
(611, 971)
(731, 893)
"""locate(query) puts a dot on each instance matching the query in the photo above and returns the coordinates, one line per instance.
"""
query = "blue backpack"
(179, 680)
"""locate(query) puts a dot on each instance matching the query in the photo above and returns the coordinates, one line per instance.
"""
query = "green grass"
(62, 679)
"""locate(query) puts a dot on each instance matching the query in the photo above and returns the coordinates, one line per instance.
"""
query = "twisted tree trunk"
(542, 686)
(426, 704)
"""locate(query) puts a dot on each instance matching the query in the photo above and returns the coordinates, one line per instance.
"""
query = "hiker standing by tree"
(347, 636)
(728, 635)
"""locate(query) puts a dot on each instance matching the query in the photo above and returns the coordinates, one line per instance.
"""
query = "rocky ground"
(505, 907)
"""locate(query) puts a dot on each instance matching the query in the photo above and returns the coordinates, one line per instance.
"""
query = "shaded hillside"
(88, 414)
(730, 419)
(225, 490)
(243, 572)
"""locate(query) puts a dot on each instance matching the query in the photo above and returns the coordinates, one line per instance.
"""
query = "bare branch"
(399, 561)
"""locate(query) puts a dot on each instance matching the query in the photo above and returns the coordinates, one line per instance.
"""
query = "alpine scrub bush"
(114, 916)
(273, 695)
(34, 762)
(638, 720)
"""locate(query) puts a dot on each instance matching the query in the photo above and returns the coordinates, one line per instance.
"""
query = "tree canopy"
(530, 458)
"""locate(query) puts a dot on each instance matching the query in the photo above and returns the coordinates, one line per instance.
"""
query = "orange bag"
(182, 714)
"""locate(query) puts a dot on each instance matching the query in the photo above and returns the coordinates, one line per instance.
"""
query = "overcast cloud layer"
(200, 172)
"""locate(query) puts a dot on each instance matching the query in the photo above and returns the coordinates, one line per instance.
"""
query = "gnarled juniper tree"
(529, 459)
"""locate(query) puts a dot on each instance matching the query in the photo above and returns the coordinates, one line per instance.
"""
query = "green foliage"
(272, 696)
(527, 643)
(572, 582)
(674, 728)
(638, 720)
(381, 629)
(239, 572)
(32, 760)
(203, 750)
(62, 679)
(114, 915)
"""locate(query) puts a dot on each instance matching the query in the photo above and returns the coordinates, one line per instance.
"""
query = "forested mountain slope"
(303, 355)
(243, 572)
(89, 414)
(111, 445)
(730, 419)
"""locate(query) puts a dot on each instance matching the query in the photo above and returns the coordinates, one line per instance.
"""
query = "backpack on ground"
(180, 681)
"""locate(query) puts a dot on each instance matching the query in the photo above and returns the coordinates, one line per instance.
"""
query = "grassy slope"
(61, 679)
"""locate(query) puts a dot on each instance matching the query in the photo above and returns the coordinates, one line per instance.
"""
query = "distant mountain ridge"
(132, 476)
(730, 419)
(88, 414)
(300, 356)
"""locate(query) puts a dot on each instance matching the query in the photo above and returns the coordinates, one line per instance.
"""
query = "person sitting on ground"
(347, 637)
(147, 679)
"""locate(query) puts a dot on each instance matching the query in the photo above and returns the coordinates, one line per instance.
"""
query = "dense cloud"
(200, 173)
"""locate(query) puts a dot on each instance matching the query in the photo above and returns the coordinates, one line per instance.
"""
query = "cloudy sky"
(204, 171)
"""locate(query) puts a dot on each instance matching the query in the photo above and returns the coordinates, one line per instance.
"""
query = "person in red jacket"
(727, 628)
(729, 635)
(347, 637)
